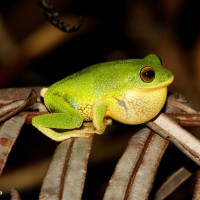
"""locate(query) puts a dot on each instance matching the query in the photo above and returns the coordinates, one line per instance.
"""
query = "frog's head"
(147, 89)
(150, 91)
(151, 74)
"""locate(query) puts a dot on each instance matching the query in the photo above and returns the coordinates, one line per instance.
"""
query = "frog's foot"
(55, 127)
(86, 130)
(90, 127)
(62, 134)
(107, 121)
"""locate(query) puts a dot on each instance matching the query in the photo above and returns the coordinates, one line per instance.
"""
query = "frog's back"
(100, 77)
(109, 78)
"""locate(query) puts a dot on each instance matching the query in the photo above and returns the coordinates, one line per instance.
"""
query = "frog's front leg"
(99, 114)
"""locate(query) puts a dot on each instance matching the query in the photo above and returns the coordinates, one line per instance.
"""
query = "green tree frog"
(131, 91)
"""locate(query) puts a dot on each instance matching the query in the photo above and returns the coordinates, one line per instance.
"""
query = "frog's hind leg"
(60, 135)
(60, 126)
(58, 120)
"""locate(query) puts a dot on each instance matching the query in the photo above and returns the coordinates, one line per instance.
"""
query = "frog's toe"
(107, 121)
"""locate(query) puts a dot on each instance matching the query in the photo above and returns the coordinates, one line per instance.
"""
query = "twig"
(170, 130)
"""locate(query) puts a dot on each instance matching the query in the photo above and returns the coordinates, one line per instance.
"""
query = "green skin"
(119, 90)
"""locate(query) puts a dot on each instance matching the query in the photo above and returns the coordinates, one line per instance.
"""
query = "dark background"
(34, 53)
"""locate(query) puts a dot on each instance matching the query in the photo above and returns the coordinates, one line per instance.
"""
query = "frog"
(129, 91)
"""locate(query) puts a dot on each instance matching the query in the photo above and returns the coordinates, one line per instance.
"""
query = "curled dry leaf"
(181, 106)
(9, 95)
(184, 140)
(9, 132)
(16, 106)
(136, 169)
(177, 103)
(197, 187)
(186, 120)
(15, 195)
(172, 183)
(65, 177)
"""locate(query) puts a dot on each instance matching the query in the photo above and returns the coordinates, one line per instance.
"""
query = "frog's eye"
(147, 74)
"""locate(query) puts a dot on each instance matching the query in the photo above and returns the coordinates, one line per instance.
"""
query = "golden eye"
(147, 74)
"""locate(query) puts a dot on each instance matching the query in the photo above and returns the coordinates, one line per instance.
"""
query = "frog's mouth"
(161, 85)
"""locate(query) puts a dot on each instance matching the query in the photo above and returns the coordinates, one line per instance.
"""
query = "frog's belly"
(138, 108)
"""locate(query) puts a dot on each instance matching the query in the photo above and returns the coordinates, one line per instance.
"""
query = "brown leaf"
(197, 187)
(172, 183)
(9, 95)
(15, 195)
(136, 169)
(66, 174)
(183, 139)
(9, 132)
(14, 107)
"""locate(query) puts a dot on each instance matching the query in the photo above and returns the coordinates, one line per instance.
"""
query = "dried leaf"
(11, 94)
(177, 103)
(9, 132)
(182, 107)
(184, 140)
(66, 174)
(186, 120)
(15, 195)
(172, 183)
(197, 187)
(14, 107)
(135, 171)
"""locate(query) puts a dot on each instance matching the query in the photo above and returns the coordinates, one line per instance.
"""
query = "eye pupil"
(147, 74)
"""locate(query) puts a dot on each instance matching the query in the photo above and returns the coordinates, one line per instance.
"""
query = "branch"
(170, 130)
